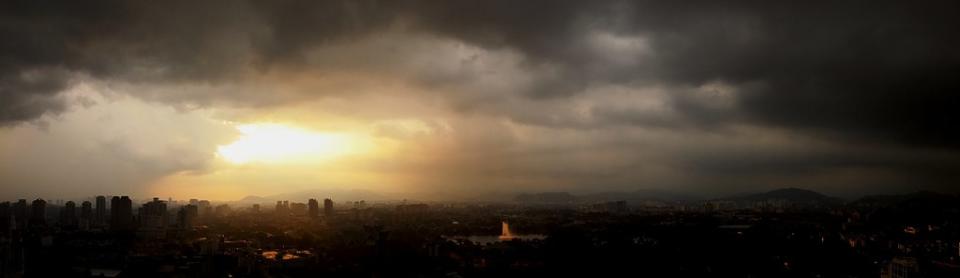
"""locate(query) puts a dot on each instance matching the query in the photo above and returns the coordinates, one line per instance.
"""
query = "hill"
(795, 195)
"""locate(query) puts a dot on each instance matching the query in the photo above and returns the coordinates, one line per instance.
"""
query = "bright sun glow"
(279, 143)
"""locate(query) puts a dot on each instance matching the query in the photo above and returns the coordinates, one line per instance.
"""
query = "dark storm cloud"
(854, 69)
(879, 71)
(871, 69)
(29, 94)
(128, 41)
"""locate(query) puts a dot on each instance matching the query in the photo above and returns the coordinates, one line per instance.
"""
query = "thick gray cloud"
(879, 75)
(30, 93)
(877, 70)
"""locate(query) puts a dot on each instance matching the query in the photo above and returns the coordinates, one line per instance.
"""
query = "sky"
(451, 99)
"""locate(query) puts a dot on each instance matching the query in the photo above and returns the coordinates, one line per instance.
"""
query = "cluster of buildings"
(310, 209)
(28, 226)
(761, 237)
(22, 215)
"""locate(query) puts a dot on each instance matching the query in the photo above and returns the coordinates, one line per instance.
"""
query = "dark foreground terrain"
(916, 235)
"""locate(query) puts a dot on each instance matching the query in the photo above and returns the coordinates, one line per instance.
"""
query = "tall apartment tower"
(187, 217)
(314, 208)
(38, 213)
(153, 218)
(100, 215)
(86, 215)
(121, 213)
(328, 207)
(68, 215)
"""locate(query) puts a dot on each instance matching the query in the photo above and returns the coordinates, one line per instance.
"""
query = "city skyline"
(788, 232)
(479, 138)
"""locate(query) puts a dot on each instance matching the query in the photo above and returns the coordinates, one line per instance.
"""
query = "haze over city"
(479, 138)
(450, 100)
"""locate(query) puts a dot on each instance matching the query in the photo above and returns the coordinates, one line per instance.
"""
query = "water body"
(487, 239)
(505, 235)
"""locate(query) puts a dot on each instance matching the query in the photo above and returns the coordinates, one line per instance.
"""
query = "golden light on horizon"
(277, 143)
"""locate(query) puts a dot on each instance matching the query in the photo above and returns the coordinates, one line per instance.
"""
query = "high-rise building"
(100, 217)
(38, 213)
(153, 218)
(187, 217)
(222, 210)
(68, 215)
(204, 209)
(298, 209)
(255, 208)
(328, 207)
(283, 208)
(153, 214)
(6, 217)
(314, 208)
(20, 213)
(86, 215)
(121, 213)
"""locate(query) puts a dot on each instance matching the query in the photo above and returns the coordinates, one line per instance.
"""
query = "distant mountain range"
(795, 195)
(546, 198)
(642, 195)
(631, 196)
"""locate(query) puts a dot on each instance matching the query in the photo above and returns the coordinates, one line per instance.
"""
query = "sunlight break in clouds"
(276, 143)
